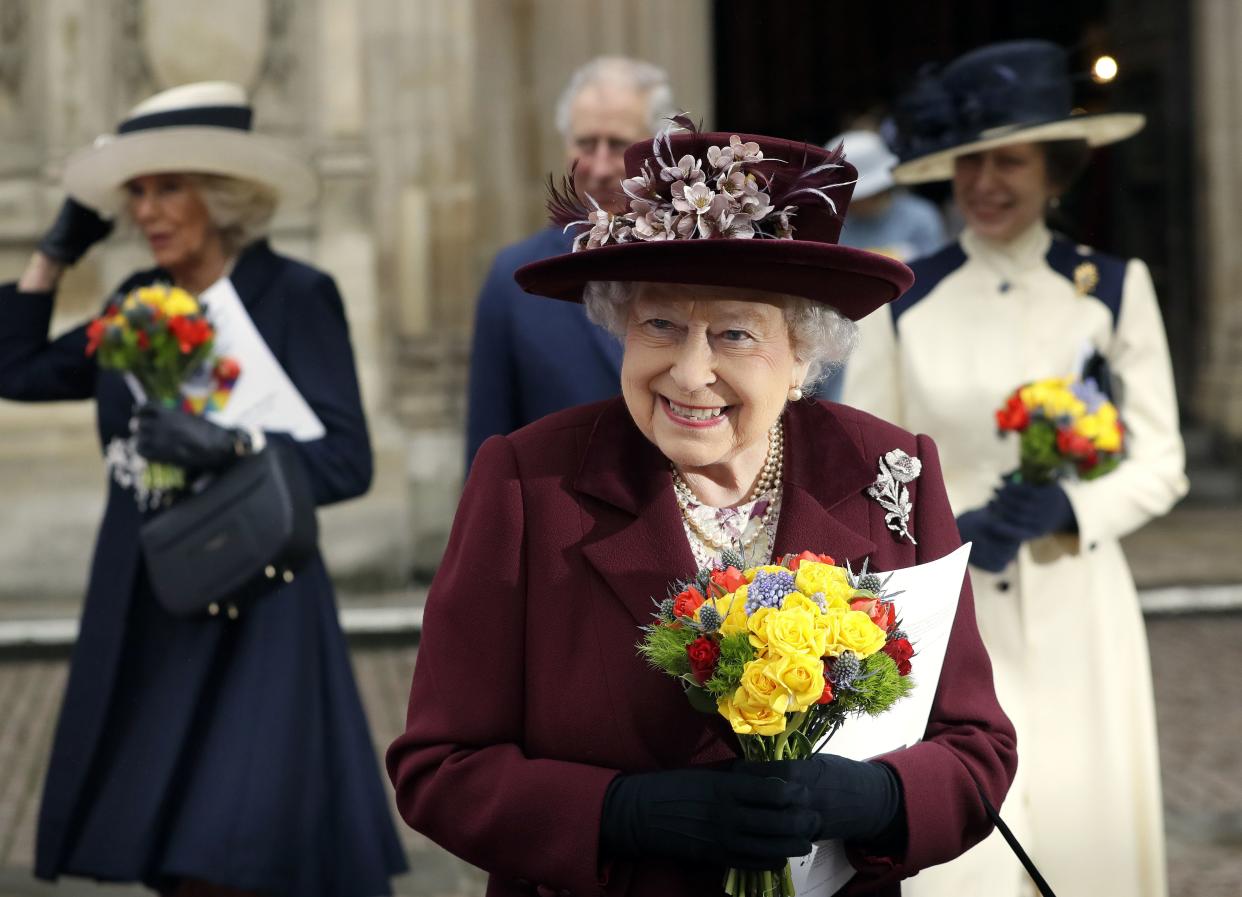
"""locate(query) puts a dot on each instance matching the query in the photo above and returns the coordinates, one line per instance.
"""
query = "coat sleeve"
(872, 380)
(32, 367)
(492, 399)
(967, 733)
(1152, 477)
(460, 772)
(320, 361)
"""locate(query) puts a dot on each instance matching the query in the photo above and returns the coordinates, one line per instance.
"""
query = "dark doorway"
(808, 69)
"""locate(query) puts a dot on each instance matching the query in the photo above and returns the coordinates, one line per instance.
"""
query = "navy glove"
(996, 543)
(75, 230)
(171, 436)
(1031, 510)
(856, 801)
(707, 816)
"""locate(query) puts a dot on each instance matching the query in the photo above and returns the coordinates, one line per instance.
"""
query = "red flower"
(901, 651)
(687, 602)
(94, 334)
(703, 653)
(826, 697)
(796, 561)
(1075, 445)
(227, 370)
(1014, 416)
(882, 613)
(190, 333)
(144, 341)
(730, 579)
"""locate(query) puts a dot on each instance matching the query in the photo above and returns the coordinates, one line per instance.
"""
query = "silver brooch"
(896, 470)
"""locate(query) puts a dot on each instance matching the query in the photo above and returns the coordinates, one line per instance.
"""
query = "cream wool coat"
(1062, 623)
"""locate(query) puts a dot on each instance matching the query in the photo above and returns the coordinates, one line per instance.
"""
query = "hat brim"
(94, 175)
(1096, 130)
(853, 281)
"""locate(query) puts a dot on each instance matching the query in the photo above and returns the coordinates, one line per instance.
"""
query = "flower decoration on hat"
(724, 194)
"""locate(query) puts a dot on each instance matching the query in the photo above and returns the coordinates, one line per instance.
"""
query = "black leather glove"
(174, 437)
(75, 230)
(707, 816)
(856, 801)
(996, 543)
(1033, 510)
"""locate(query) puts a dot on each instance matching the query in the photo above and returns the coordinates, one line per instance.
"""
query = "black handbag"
(252, 527)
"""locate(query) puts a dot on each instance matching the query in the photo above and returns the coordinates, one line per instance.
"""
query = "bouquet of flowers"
(786, 653)
(161, 336)
(1067, 426)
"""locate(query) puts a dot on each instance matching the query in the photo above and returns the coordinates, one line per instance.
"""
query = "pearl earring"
(795, 393)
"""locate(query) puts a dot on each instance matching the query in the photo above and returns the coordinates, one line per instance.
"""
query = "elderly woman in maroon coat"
(539, 745)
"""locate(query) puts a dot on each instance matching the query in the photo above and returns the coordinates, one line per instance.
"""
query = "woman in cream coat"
(1010, 303)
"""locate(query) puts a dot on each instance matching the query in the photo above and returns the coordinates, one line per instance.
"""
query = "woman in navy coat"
(539, 745)
(204, 755)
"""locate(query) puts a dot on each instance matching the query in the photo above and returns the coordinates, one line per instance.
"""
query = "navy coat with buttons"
(530, 356)
(235, 752)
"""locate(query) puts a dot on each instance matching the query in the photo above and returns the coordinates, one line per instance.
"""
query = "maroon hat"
(722, 210)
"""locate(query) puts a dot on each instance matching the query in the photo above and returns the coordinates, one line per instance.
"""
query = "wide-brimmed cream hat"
(202, 128)
(994, 96)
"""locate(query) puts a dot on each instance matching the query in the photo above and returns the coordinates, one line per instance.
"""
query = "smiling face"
(706, 373)
(1002, 191)
(172, 216)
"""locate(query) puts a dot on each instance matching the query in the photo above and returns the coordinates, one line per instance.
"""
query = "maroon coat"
(529, 696)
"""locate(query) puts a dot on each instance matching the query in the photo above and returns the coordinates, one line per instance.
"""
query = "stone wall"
(430, 125)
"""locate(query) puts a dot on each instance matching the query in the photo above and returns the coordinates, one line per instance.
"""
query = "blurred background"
(430, 123)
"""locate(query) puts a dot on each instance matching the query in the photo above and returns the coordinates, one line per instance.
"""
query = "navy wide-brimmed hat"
(201, 128)
(725, 210)
(996, 95)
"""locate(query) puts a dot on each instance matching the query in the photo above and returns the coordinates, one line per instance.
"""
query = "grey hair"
(821, 336)
(645, 78)
(241, 210)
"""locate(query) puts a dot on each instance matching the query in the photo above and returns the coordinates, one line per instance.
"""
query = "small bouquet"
(1068, 427)
(161, 336)
(786, 653)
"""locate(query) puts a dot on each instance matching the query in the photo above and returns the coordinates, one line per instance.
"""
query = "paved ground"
(1196, 661)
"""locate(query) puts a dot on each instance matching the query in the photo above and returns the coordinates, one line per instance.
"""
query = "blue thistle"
(768, 589)
(709, 618)
(666, 611)
(845, 669)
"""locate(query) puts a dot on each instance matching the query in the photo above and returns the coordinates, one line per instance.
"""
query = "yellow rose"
(798, 601)
(761, 688)
(794, 631)
(757, 626)
(858, 634)
(814, 576)
(826, 579)
(732, 609)
(801, 676)
(748, 718)
(179, 302)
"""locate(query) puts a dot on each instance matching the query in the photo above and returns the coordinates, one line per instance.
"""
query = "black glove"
(707, 816)
(75, 230)
(174, 437)
(1033, 510)
(996, 543)
(855, 801)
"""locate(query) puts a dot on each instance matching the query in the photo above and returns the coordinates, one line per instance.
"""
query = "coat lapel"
(256, 266)
(637, 545)
(823, 469)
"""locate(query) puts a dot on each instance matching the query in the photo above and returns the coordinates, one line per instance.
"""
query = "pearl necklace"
(770, 478)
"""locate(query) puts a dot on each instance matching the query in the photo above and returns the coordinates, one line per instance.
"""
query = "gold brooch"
(1086, 278)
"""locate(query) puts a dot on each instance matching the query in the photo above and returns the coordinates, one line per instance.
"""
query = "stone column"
(1218, 33)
